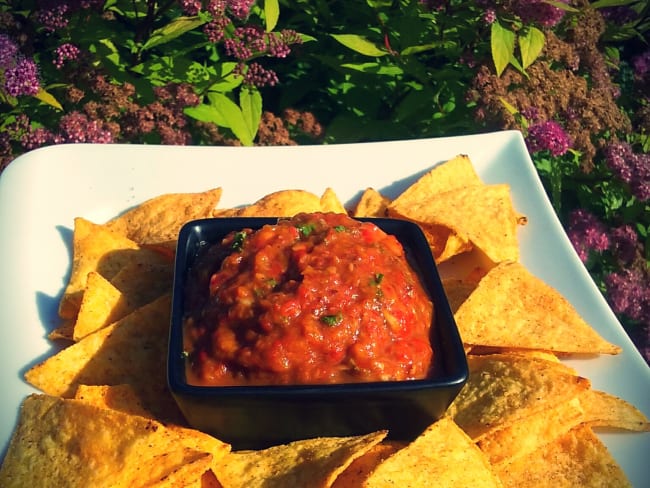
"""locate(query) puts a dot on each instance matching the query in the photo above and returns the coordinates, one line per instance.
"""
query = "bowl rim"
(453, 376)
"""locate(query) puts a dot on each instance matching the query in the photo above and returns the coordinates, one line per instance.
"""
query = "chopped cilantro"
(340, 228)
(238, 241)
(332, 320)
(306, 229)
(378, 278)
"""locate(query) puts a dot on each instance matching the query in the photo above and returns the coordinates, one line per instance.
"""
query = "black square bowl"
(251, 417)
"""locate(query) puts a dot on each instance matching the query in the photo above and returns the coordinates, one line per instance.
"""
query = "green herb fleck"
(332, 320)
(378, 278)
(340, 228)
(238, 241)
(306, 229)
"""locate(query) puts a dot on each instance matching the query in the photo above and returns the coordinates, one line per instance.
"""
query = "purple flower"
(627, 293)
(641, 64)
(548, 136)
(22, 79)
(240, 8)
(625, 243)
(538, 12)
(256, 75)
(632, 168)
(587, 234)
(8, 51)
(65, 52)
(489, 16)
(76, 128)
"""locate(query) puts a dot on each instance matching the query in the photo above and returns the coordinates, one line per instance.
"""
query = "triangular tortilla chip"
(76, 444)
(503, 388)
(283, 203)
(132, 350)
(443, 456)
(330, 202)
(371, 204)
(159, 219)
(578, 458)
(98, 249)
(313, 462)
(511, 307)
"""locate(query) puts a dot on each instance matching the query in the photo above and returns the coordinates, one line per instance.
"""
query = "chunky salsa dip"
(318, 298)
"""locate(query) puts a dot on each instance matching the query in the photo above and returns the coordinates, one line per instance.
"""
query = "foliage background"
(572, 75)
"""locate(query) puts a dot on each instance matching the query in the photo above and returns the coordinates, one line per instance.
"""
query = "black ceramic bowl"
(260, 416)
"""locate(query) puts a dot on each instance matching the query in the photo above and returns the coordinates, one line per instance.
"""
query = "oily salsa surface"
(318, 298)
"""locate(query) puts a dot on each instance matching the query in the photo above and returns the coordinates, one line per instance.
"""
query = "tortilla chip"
(115, 397)
(314, 462)
(95, 248)
(283, 203)
(355, 474)
(371, 204)
(72, 443)
(578, 458)
(101, 305)
(601, 409)
(525, 435)
(503, 388)
(443, 455)
(511, 307)
(143, 282)
(133, 350)
(480, 216)
(453, 174)
(159, 219)
(330, 202)
(457, 291)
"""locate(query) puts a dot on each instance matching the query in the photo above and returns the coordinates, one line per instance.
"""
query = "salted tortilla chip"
(371, 204)
(511, 307)
(602, 409)
(480, 216)
(442, 455)
(133, 350)
(143, 282)
(283, 203)
(452, 174)
(578, 458)
(115, 397)
(98, 249)
(523, 436)
(76, 444)
(160, 218)
(503, 388)
(457, 291)
(330, 202)
(101, 305)
(355, 475)
(312, 462)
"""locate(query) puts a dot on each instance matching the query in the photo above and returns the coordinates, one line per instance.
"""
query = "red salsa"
(318, 298)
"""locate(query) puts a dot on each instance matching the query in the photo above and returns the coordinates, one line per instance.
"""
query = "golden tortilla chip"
(355, 474)
(525, 435)
(143, 282)
(503, 388)
(101, 305)
(453, 174)
(132, 350)
(283, 203)
(371, 204)
(95, 248)
(315, 463)
(576, 459)
(442, 456)
(115, 397)
(159, 219)
(480, 216)
(601, 409)
(76, 444)
(512, 308)
(330, 202)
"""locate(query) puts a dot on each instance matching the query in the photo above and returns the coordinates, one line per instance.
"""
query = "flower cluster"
(538, 12)
(627, 293)
(548, 136)
(587, 234)
(20, 73)
(632, 168)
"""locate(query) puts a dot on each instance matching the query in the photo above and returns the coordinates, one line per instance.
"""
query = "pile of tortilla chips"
(106, 418)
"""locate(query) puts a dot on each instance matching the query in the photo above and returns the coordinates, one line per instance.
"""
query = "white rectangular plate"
(42, 191)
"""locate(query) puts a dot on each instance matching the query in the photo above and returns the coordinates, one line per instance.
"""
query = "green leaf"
(48, 98)
(502, 43)
(271, 14)
(171, 31)
(374, 68)
(360, 44)
(206, 113)
(379, 3)
(250, 100)
(562, 6)
(232, 117)
(425, 47)
(531, 43)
